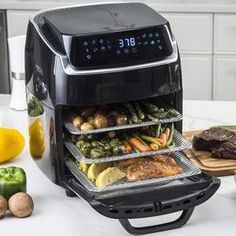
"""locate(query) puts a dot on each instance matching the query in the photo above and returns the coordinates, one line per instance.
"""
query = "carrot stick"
(163, 138)
(136, 143)
(128, 148)
(154, 146)
(167, 132)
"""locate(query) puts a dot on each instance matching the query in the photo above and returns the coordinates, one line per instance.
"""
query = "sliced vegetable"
(128, 147)
(170, 137)
(154, 146)
(136, 135)
(152, 140)
(137, 144)
(12, 180)
(163, 138)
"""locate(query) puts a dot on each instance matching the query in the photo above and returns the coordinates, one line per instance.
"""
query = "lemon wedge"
(83, 166)
(95, 169)
(109, 176)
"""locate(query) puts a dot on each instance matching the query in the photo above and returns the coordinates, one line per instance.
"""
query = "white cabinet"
(225, 34)
(192, 31)
(197, 77)
(17, 22)
(225, 78)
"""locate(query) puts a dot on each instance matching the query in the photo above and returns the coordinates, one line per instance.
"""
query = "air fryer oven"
(107, 54)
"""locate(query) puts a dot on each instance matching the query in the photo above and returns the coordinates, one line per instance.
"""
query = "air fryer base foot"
(70, 193)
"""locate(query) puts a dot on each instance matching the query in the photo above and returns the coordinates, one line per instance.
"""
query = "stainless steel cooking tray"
(69, 126)
(180, 144)
(188, 170)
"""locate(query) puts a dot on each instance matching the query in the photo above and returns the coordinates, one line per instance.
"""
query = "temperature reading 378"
(127, 42)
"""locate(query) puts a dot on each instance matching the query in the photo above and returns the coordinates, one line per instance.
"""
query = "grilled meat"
(226, 150)
(221, 142)
(128, 162)
(157, 166)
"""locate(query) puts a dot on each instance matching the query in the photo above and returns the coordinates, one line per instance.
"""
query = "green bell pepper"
(12, 180)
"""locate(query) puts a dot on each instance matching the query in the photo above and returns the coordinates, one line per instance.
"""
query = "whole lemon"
(37, 142)
(12, 144)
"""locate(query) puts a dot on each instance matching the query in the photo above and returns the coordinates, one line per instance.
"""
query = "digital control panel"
(115, 49)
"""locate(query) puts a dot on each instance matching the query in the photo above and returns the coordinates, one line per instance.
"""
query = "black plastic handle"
(182, 220)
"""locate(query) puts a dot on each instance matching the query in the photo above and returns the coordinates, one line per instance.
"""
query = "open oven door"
(181, 195)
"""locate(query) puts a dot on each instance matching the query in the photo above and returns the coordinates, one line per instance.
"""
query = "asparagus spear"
(151, 107)
(132, 112)
(139, 111)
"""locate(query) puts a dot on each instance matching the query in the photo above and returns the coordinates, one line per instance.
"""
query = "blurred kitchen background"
(205, 31)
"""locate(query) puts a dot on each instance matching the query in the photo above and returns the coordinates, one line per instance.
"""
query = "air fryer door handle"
(182, 220)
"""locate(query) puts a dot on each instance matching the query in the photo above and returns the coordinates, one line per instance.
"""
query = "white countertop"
(215, 6)
(59, 215)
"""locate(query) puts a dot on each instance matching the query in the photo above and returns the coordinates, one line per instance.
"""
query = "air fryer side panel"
(39, 64)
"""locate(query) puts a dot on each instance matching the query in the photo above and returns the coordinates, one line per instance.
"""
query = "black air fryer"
(108, 54)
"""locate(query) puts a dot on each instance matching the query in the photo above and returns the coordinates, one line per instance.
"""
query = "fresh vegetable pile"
(13, 194)
(145, 139)
(119, 114)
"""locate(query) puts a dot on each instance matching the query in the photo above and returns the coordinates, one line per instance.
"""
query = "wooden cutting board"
(204, 160)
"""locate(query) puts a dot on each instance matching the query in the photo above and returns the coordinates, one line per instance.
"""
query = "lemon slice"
(95, 169)
(83, 166)
(109, 176)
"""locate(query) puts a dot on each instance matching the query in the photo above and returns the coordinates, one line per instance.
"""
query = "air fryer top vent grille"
(101, 18)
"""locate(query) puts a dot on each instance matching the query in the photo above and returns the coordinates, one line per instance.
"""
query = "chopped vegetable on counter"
(12, 180)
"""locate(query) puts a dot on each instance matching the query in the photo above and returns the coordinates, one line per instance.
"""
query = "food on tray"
(119, 114)
(12, 144)
(95, 169)
(157, 166)
(83, 166)
(100, 121)
(93, 147)
(21, 205)
(77, 121)
(12, 180)
(3, 206)
(109, 176)
(125, 142)
(219, 141)
(86, 126)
